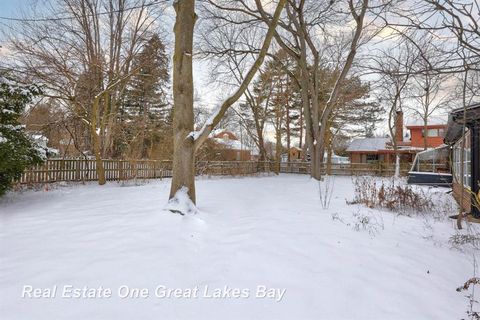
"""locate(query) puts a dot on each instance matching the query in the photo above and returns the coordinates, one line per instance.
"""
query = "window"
(431, 132)
(372, 158)
(457, 164)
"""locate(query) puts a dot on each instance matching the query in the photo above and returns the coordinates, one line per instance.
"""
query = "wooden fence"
(55, 170)
(377, 169)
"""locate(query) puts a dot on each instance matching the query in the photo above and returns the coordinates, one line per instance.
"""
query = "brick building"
(370, 150)
(227, 147)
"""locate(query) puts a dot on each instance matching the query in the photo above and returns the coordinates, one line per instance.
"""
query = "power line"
(72, 17)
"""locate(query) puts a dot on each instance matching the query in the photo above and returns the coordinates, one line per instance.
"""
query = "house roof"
(455, 122)
(368, 144)
(433, 120)
(224, 133)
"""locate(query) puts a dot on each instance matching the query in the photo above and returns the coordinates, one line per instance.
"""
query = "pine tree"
(147, 111)
(17, 151)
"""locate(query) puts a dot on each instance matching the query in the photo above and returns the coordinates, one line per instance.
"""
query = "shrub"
(460, 240)
(401, 198)
(17, 151)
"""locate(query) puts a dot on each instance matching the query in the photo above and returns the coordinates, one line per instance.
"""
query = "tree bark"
(97, 148)
(397, 166)
(186, 141)
(287, 124)
(183, 117)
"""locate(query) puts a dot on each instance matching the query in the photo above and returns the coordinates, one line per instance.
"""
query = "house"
(433, 136)
(296, 155)
(370, 150)
(227, 147)
(466, 169)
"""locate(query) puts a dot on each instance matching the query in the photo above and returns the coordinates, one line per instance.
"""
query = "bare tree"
(231, 48)
(298, 37)
(85, 60)
(396, 68)
(186, 140)
(429, 91)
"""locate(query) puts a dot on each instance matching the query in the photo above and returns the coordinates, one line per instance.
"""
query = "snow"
(432, 120)
(368, 144)
(257, 234)
(181, 203)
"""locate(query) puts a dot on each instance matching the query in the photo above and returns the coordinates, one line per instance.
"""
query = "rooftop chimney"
(399, 126)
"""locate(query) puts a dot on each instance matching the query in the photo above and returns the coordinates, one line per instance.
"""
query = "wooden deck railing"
(55, 170)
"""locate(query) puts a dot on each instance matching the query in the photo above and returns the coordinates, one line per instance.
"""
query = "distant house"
(227, 147)
(434, 134)
(296, 154)
(369, 150)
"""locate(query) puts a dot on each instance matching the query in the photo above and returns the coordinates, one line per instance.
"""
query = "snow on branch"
(194, 135)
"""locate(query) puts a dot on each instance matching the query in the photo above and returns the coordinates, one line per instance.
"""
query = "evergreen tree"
(17, 151)
(147, 111)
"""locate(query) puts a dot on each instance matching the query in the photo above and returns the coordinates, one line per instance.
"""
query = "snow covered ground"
(268, 237)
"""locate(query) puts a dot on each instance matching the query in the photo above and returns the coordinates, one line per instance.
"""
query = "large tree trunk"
(397, 166)
(186, 141)
(259, 128)
(183, 123)
(97, 148)
(301, 129)
(261, 146)
(329, 152)
(287, 125)
(278, 147)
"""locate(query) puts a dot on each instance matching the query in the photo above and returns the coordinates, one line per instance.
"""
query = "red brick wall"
(417, 138)
(355, 158)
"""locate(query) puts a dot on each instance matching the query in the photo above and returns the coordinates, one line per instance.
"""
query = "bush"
(395, 197)
(17, 151)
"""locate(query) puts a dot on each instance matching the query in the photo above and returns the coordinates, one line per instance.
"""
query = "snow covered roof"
(368, 144)
(229, 140)
(432, 120)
